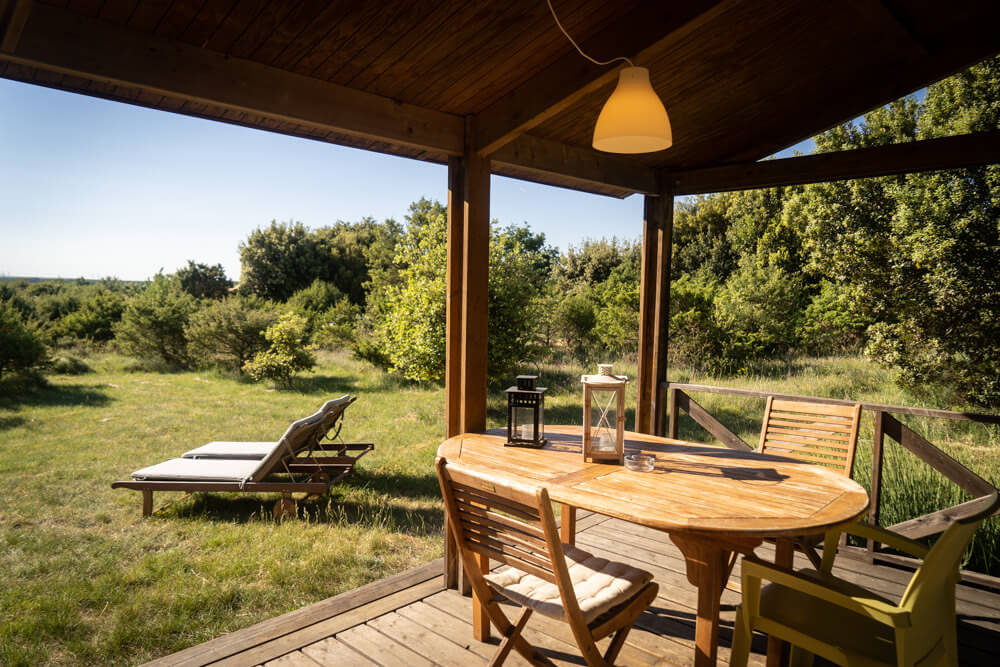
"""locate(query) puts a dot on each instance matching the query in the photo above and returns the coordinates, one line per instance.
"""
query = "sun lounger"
(298, 462)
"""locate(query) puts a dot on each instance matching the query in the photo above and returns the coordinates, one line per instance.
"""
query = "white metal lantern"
(604, 416)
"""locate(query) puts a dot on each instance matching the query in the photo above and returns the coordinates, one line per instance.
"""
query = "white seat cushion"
(254, 451)
(599, 585)
(199, 470)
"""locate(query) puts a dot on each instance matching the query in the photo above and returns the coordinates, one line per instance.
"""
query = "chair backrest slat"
(818, 433)
(478, 519)
(498, 519)
(471, 495)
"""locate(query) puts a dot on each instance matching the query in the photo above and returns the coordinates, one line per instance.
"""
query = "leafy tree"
(576, 317)
(229, 332)
(203, 281)
(287, 257)
(700, 242)
(279, 260)
(921, 250)
(617, 326)
(760, 307)
(152, 326)
(833, 322)
(289, 352)
(405, 320)
(592, 262)
(21, 346)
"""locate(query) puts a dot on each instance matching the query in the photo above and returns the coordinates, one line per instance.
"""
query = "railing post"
(674, 407)
(878, 444)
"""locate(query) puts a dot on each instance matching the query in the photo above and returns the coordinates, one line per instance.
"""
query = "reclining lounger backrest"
(305, 432)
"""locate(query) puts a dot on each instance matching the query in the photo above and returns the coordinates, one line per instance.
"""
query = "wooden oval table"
(713, 502)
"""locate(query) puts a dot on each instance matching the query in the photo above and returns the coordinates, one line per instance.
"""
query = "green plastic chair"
(819, 614)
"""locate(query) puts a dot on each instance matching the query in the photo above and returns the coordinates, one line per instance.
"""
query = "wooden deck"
(411, 620)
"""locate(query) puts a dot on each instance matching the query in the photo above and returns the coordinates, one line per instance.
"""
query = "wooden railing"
(886, 425)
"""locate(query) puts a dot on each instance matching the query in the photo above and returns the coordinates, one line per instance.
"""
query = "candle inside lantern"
(527, 432)
(604, 443)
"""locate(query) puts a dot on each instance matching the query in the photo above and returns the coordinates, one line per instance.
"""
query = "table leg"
(707, 562)
(567, 527)
(784, 552)
(480, 619)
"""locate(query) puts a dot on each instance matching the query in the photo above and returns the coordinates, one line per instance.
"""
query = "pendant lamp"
(633, 119)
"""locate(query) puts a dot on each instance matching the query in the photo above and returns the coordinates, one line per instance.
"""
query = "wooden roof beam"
(13, 14)
(966, 150)
(57, 40)
(572, 77)
(540, 157)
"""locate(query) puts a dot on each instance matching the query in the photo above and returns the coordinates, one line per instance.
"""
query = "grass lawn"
(88, 581)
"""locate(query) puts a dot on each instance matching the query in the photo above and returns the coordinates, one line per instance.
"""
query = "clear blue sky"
(94, 188)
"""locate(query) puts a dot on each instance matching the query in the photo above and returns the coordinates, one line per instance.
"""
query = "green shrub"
(95, 319)
(152, 326)
(337, 326)
(229, 332)
(289, 352)
(21, 346)
(67, 364)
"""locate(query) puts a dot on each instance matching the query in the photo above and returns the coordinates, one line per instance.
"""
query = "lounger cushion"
(199, 470)
(251, 451)
(600, 584)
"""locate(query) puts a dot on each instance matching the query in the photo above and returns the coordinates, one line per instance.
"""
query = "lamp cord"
(571, 41)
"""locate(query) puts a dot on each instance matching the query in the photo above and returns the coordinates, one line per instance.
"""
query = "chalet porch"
(412, 619)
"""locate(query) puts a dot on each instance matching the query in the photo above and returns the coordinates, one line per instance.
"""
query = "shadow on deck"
(411, 620)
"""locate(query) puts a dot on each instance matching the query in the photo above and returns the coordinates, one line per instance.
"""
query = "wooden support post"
(878, 443)
(475, 284)
(647, 307)
(455, 278)
(654, 312)
(467, 308)
(675, 417)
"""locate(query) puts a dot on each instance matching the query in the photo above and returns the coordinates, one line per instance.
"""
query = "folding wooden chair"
(513, 523)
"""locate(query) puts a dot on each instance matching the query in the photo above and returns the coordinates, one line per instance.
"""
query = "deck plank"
(381, 648)
(411, 620)
(329, 651)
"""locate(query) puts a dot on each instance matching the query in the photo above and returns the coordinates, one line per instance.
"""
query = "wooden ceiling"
(741, 79)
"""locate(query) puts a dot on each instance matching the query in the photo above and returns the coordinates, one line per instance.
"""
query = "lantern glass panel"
(524, 423)
(603, 420)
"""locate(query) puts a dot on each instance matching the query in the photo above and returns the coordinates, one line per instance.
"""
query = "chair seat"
(599, 585)
(250, 451)
(829, 623)
(199, 470)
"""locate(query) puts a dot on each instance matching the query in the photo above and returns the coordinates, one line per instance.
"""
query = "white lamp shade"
(633, 119)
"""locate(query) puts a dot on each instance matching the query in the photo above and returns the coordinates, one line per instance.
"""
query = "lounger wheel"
(285, 507)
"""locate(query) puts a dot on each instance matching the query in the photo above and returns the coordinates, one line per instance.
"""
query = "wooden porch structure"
(494, 88)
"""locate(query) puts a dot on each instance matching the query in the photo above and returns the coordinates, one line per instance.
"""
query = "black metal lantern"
(526, 413)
